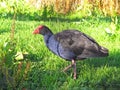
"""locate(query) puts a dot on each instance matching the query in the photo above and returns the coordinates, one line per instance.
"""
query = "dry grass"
(108, 7)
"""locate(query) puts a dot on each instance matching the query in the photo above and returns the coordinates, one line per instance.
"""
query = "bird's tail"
(104, 51)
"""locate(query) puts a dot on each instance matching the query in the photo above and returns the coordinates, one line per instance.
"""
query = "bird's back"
(81, 45)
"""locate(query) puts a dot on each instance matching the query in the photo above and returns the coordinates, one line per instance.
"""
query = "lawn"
(40, 69)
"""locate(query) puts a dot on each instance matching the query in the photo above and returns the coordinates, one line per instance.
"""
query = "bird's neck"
(46, 37)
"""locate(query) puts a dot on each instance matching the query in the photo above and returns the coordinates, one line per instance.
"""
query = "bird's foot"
(74, 78)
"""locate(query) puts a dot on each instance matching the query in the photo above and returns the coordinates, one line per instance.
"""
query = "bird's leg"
(68, 67)
(74, 69)
(73, 64)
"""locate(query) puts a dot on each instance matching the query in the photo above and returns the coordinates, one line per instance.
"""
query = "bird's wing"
(76, 41)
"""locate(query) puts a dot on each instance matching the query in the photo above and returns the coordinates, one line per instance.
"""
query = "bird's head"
(42, 29)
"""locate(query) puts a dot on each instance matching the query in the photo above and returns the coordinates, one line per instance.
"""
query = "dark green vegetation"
(26, 63)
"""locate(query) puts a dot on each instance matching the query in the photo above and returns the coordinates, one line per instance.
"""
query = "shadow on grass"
(45, 79)
(61, 18)
(3, 31)
(34, 57)
(113, 60)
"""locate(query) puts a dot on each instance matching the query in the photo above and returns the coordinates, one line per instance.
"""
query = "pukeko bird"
(71, 45)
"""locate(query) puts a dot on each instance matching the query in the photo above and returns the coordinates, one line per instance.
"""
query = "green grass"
(45, 67)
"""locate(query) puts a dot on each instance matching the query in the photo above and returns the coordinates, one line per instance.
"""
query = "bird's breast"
(57, 49)
(53, 45)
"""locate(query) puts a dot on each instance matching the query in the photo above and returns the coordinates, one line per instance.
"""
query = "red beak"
(36, 31)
